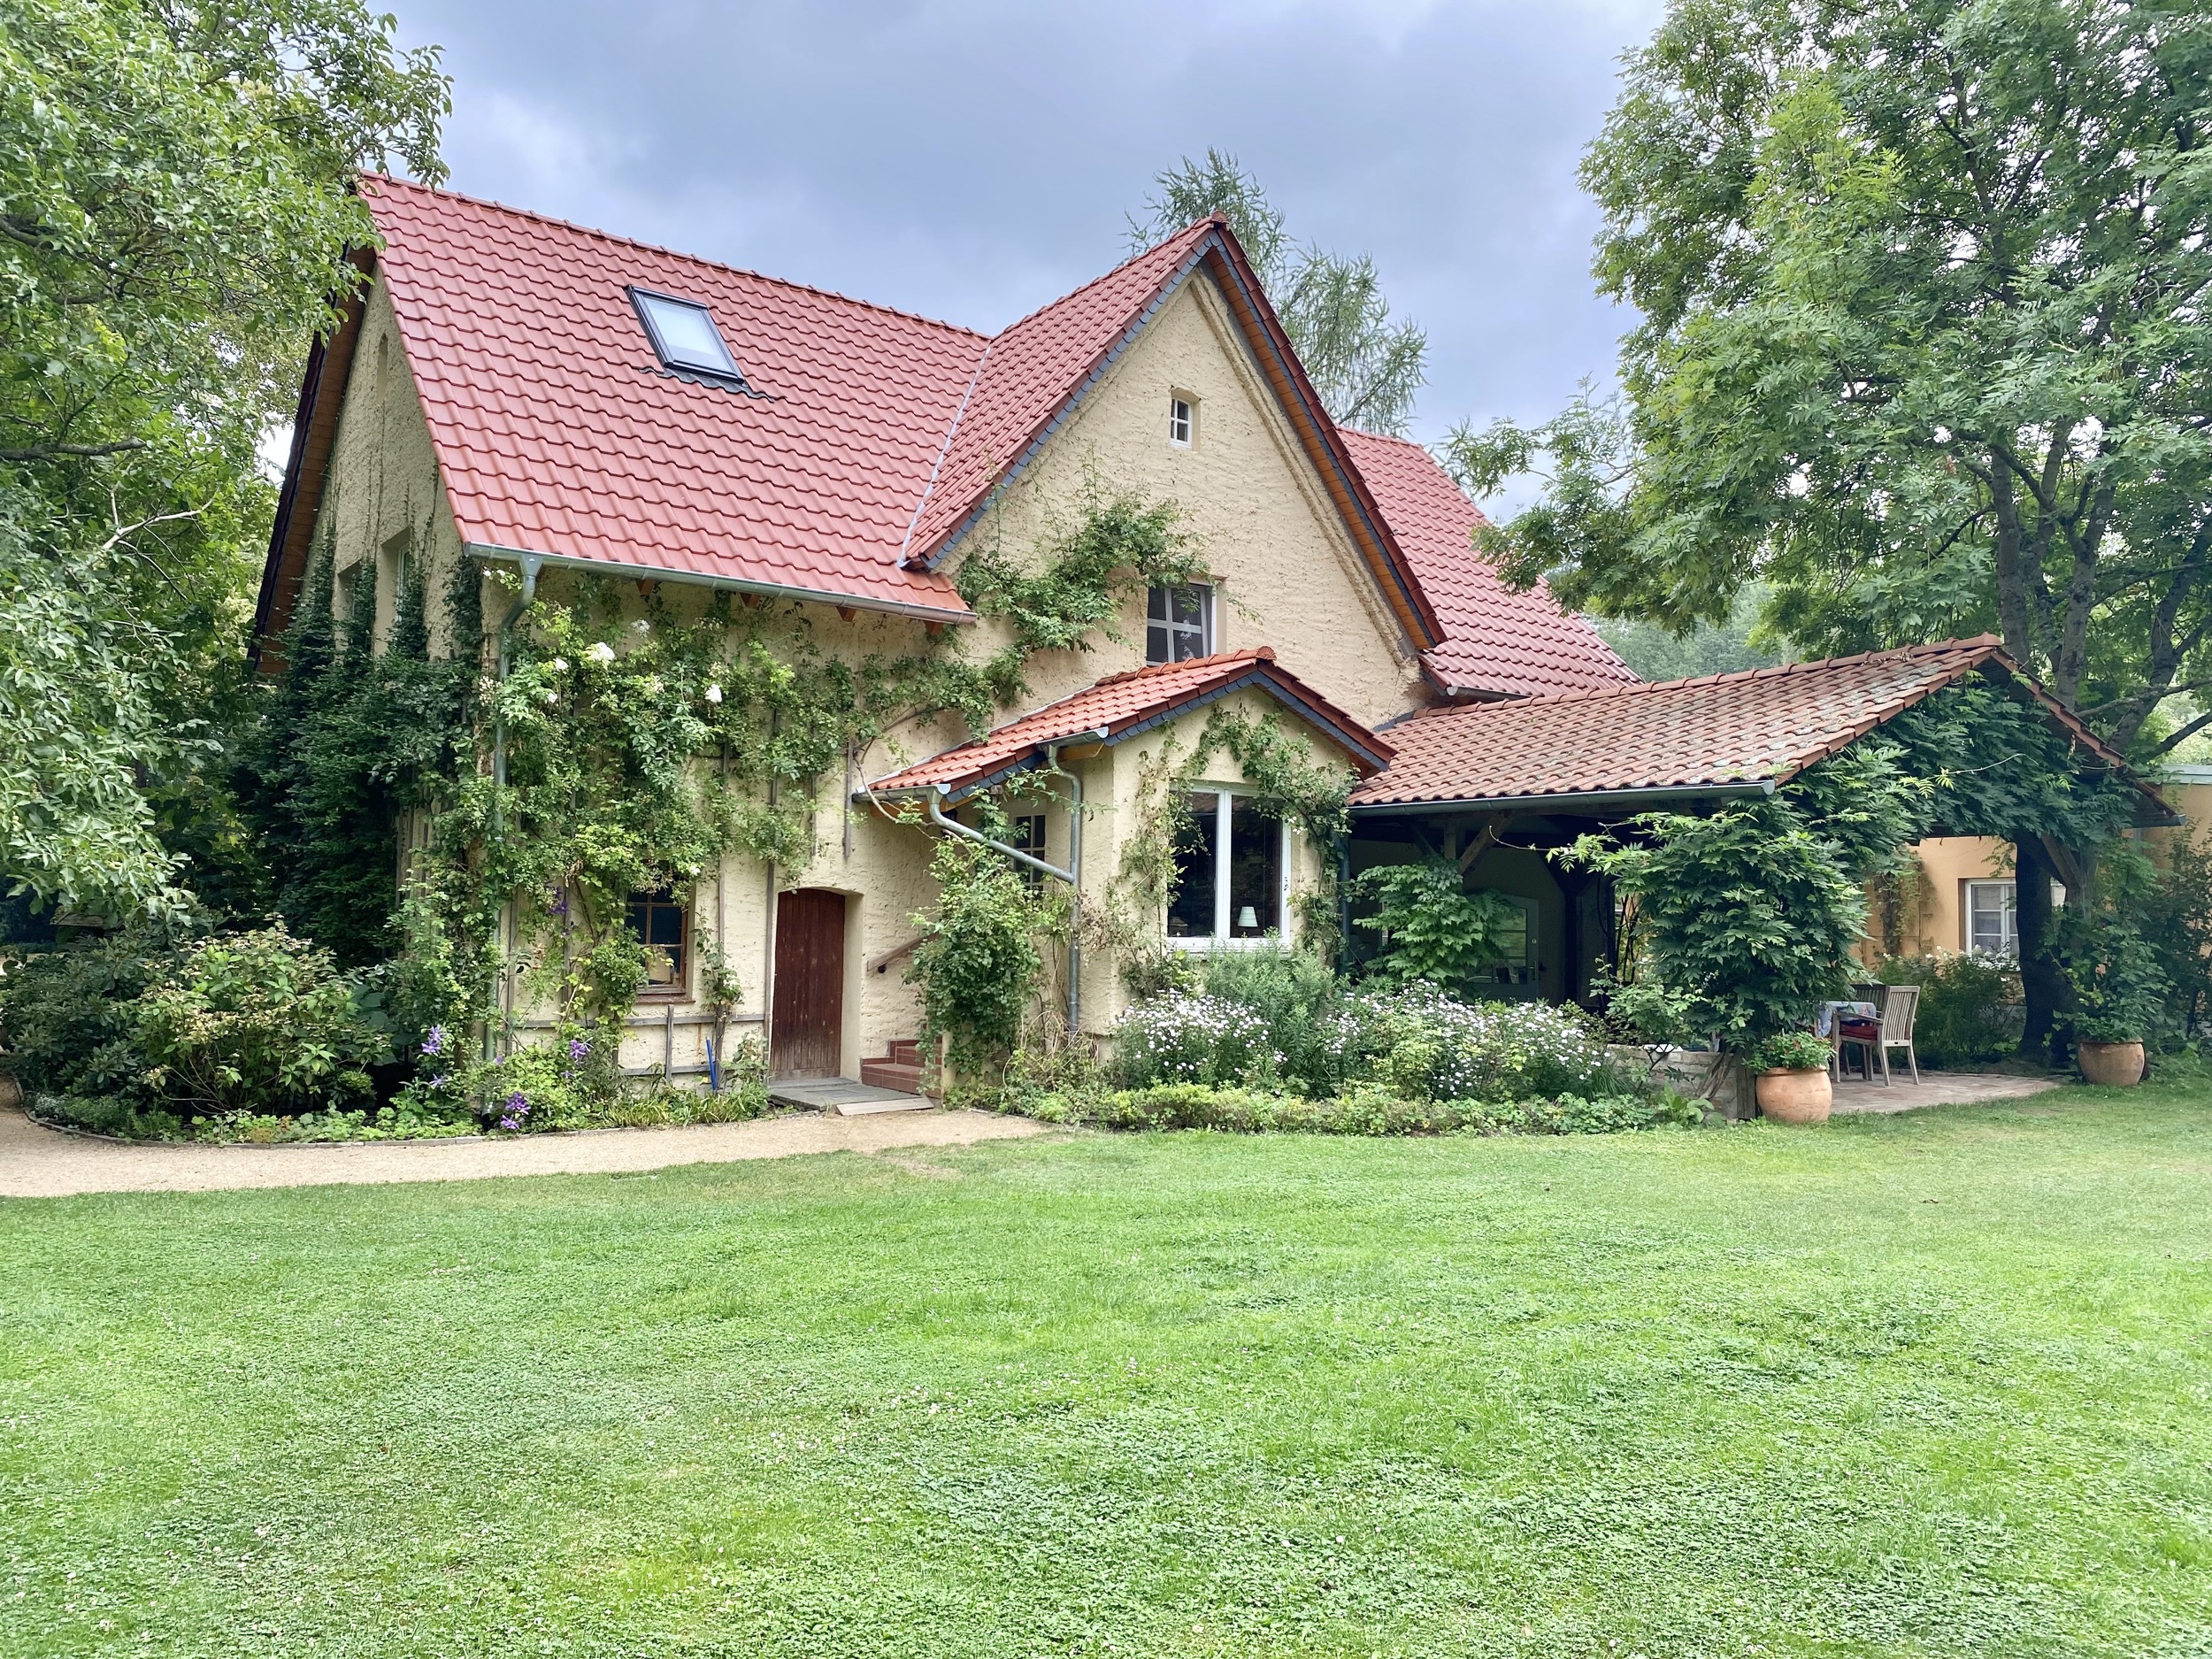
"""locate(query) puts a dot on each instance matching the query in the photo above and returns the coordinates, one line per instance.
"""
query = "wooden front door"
(809, 1008)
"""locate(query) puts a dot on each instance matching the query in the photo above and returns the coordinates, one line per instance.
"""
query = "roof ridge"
(1382, 437)
(1210, 222)
(1250, 654)
(615, 237)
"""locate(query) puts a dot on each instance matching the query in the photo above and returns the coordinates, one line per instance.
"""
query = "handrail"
(880, 965)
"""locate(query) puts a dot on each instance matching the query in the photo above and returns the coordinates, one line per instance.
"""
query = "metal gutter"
(772, 590)
(1583, 800)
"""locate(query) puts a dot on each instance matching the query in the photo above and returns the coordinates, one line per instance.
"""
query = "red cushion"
(1862, 1030)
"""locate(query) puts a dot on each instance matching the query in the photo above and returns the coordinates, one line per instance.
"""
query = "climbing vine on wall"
(638, 750)
(1289, 783)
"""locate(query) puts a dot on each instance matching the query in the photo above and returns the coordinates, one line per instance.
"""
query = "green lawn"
(1935, 1385)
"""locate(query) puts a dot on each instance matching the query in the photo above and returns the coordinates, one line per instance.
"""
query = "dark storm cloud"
(971, 160)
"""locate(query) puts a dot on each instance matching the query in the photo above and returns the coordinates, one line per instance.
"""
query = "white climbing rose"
(714, 694)
(601, 652)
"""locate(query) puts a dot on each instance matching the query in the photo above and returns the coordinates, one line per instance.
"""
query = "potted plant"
(2119, 998)
(1793, 1073)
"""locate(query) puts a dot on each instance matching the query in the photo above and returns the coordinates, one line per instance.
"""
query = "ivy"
(1289, 784)
(1121, 546)
(639, 751)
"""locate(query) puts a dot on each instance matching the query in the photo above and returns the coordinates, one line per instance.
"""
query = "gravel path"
(40, 1163)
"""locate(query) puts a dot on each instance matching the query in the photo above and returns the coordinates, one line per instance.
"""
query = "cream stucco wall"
(1286, 572)
(381, 498)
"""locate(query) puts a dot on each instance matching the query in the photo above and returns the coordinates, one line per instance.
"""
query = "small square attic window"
(1180, 420)
(684, 335)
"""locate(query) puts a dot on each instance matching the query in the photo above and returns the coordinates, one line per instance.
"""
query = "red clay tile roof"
(558, 433)
(1031, 369)
(1761, 726)
(1122, 705)
(870, 439)
(1495, 640)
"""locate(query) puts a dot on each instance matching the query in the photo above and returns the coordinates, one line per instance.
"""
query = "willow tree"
(1366, 368)
(1923, 345)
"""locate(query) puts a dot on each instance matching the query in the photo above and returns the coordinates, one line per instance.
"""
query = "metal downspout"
(530, 567)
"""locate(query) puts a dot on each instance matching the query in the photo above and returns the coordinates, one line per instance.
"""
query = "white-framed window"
(1027, 832)
(1232, 873)
(1182, 419)
(1993, 919)
(1179, 623)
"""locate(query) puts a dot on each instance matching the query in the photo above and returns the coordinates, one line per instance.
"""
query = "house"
(552, 411)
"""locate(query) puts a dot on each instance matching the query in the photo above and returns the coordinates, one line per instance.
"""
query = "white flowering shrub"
(1417, 1043)
(1426, 1046)
(1189, 1037)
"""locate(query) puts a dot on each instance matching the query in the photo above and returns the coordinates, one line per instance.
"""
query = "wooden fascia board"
(299, 502)
(1324, 446)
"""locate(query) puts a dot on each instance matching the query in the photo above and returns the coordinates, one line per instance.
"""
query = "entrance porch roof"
(1123, 706)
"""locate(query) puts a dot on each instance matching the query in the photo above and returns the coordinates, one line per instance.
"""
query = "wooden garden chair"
(1891, 1028)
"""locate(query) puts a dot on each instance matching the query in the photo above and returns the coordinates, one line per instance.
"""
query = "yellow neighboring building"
(1959, 895)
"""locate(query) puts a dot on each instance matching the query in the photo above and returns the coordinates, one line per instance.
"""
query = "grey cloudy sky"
(971, 159)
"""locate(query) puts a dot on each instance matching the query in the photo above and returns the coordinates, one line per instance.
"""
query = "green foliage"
(1997, 766)
(177, 186)
(1295, 997)
(2120, 994)
(1750, 915)
(78, 717)
(1079, 581)
(256, 1022)
(2173, 908)
(978, 963)
(1791, 1051)
(1969, 1010)
(68, 1014)
(1921, 339)
(1366, 368)
(1865, 805)
(1433, 928)
(1728, 647)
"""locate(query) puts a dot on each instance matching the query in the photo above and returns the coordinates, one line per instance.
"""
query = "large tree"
(175, 204)
(1366, 368)
(1923, 345)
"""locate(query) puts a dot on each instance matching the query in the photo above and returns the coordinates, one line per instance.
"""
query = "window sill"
(1199, 947)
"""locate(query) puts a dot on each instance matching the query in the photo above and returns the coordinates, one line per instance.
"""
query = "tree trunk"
(2042, 980)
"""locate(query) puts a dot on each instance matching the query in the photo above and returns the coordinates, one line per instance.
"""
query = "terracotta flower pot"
(2113, 1065)
(1796, 1096)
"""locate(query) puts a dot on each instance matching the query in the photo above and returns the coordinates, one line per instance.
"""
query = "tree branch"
(57, 451)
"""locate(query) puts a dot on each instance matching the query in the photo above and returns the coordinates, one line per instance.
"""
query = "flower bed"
(1364, 1110)
(1417, 1043)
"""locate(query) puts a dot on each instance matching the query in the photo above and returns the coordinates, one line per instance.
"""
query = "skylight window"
(684, 335)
